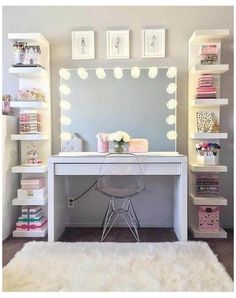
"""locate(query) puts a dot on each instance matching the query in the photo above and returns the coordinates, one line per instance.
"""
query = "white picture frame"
(153, 43)
(117, 44)
(83, 45)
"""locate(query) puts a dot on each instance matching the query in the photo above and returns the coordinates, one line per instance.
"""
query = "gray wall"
(56, 23)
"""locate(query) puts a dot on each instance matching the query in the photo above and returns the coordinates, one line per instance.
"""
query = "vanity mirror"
(141, 101)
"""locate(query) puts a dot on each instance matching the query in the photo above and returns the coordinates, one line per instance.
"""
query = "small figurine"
(32, 156)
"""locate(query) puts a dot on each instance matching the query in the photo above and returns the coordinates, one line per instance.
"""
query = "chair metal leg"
(103, 221)
(135, 215)
(128, 214)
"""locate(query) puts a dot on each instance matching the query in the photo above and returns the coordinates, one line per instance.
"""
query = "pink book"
(32, 183)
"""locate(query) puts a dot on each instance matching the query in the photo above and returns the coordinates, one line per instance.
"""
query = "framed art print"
(118, 44)
(153, 43)
(83, 45)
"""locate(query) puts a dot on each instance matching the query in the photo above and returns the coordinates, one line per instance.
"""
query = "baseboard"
(118, 225)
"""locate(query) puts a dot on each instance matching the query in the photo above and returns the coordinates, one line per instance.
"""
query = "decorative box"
(31, 194)
(31, 226)
(30, 122)
(138, 145)
(209, 218)
(210, 54)
(31, 210)
(32, 55)
(207, 185)
(29, 116)
(207, 159)
(30, 128)
(30, 217)
(32, 183)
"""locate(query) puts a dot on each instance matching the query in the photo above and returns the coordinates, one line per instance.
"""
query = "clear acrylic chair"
(120, 181)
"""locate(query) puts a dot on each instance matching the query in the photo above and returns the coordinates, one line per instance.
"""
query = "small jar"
(102, 143)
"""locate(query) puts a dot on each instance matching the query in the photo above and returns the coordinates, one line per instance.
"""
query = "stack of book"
(205, 88)
(31, 219)
(207, 185)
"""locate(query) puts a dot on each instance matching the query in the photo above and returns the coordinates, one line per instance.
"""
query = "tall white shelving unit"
(34, 77)
(209, 105)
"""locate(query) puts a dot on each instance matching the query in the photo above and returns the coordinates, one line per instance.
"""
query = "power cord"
(84, 193)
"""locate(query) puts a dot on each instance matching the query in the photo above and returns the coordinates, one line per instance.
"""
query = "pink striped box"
(32, 226)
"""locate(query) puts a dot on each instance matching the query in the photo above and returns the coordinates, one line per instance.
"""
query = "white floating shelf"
(210, 69)
(208, 168)
(29, 137)
(29, 202)
(208, 135)
(28, 72)
(41, 233)
(199, 234)
(201, 36)
(30, 169)
(209, 102)
(28, 37)
(210, 201)
(29, 104)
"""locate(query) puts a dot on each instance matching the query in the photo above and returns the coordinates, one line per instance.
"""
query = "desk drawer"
(118, 169)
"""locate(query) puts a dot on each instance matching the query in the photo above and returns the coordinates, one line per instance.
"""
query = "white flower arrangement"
(119, 136)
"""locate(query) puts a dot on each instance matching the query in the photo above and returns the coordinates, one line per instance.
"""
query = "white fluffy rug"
(169, 266)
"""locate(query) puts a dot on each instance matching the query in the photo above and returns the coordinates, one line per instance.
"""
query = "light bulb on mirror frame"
(118, 73)
(171, 135)
(152, 72)
(171, 88)
(65, 136)
(64, 89)
(171, 119)
(65, 120)
(135, 72)
(171, 72)
(171, 104)
(65, 105)
(64, 74)
(82, 73)
(100, 73)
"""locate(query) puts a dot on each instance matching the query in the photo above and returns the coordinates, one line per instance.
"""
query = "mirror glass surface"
(140, 101)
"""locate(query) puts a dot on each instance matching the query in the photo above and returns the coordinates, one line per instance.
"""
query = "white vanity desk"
(88, 163)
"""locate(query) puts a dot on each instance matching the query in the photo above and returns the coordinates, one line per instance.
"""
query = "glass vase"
(120, 147)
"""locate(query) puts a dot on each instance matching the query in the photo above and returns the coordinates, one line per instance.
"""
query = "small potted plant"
(207, 153)
(19, 51)
(120, 141)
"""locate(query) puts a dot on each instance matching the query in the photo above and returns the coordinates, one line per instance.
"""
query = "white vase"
(207, 159)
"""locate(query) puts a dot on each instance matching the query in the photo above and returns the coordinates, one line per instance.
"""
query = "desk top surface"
(95, 157)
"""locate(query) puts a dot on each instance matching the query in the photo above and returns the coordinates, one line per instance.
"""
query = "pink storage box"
(209, 217)
(34, 226)
(138, 145)
(32, 183)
